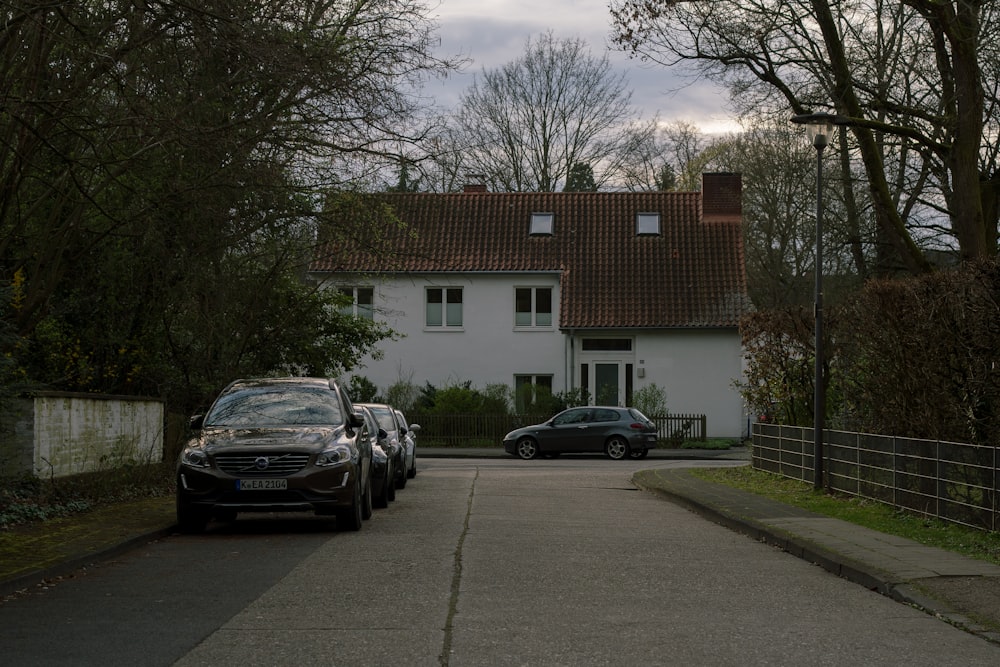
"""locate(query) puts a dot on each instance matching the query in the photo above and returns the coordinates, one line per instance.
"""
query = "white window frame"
(535, 319)
(448, 314)
(357, 308)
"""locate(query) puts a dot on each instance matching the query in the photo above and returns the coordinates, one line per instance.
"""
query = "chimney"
(722, 197)
(476, 183)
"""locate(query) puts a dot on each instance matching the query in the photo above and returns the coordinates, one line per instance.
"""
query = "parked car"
(383, 462)
(387, 420)
(273, 445)
(409, 442)
(618, 432)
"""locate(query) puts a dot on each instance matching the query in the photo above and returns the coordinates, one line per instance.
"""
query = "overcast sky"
(493, 32)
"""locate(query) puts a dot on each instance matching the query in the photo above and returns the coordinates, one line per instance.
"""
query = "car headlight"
(194, 457)
(334, 455)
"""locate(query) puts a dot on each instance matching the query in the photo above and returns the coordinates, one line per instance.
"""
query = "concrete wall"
(60, 434)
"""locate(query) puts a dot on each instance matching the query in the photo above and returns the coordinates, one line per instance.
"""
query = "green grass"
(980, 544)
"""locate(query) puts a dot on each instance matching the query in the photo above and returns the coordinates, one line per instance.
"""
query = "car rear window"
(275, 406)
(385, 418)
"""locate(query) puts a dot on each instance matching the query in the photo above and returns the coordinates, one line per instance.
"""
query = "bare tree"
(525, 124)
(909, 75)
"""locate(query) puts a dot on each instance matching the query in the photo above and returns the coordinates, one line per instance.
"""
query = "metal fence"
(952, 481)
(488, 430)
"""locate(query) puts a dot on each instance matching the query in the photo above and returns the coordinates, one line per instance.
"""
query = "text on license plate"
(261, 484)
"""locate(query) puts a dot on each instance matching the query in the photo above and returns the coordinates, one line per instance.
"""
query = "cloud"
(492, 33)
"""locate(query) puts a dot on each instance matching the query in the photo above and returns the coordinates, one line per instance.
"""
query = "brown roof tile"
(691, 275)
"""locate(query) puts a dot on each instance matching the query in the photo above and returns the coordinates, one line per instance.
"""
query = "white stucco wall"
(487, 349)
(696, 367)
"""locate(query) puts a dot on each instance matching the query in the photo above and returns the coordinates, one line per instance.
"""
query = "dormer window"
(647, 224)
(541, 224)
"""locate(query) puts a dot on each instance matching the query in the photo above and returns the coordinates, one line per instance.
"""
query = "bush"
(651, 400)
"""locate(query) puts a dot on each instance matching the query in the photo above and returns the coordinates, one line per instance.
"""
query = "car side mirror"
(382, 435)
(414, 427)
(356, 420)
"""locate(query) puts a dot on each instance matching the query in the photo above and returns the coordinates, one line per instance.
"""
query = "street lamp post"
(819, 127)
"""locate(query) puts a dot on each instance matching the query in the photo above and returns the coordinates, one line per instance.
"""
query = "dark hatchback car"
(617, 432)
(276, 445)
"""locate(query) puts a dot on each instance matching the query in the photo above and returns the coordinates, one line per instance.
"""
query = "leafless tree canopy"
(917, 80)
(525, 124)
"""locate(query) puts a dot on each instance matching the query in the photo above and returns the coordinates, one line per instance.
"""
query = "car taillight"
(637, 426)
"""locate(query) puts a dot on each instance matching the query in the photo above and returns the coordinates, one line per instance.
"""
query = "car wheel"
(527, 448)
(350, 518)
(616, 448)
(191, 519)
(638, 453)
(390, 482)
(412, 472)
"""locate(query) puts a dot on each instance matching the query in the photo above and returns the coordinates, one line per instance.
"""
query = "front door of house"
(606, 386)
(605, 367)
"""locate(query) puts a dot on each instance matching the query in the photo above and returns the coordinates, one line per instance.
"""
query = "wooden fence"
(948, 480)
(488, 430)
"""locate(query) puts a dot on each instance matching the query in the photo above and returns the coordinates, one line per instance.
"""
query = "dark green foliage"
(362, 390)
(580, 178)
(163, 166)
(910, 357)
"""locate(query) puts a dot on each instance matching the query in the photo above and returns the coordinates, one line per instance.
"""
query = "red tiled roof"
(691, 275)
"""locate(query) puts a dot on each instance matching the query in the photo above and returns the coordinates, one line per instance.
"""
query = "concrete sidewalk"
(962, 591)
(959, 590)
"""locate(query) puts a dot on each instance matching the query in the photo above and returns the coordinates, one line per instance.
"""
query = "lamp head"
(819, 127)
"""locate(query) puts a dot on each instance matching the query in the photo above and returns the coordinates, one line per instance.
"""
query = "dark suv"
(276, 445)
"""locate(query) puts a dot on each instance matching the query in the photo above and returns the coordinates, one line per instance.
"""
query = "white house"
(605, 291)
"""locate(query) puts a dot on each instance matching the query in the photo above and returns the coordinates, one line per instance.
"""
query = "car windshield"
(276, 405)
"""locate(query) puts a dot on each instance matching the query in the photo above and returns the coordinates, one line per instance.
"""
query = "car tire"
(412, 472)
(191, 519)
(390, 483)
(350, 518)
(527, 448)
(616, 448)
(638, 453)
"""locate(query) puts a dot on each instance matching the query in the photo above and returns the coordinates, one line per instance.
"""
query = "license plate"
(261, 484)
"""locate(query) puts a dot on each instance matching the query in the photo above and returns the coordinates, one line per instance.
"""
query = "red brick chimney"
(722, 197)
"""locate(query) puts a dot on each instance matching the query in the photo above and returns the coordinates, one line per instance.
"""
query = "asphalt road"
(478, 562)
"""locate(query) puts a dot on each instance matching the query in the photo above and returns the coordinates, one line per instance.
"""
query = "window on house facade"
(533, 306)
(527, 389)
(647, 224)
(541, 224)
(362, 302)
(607, 345)
(444, 307)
